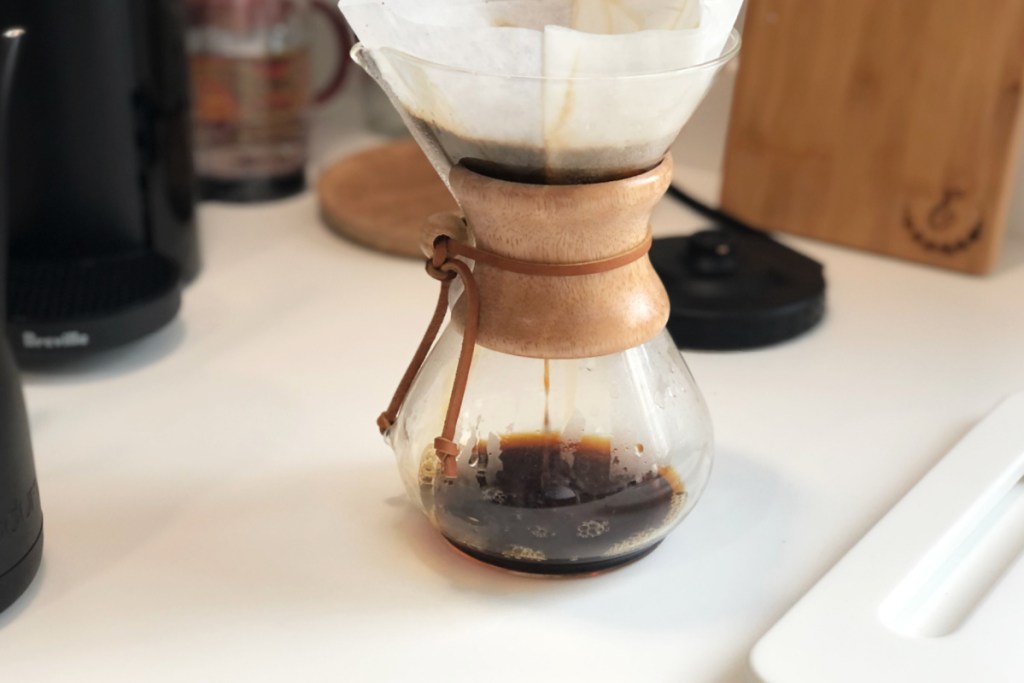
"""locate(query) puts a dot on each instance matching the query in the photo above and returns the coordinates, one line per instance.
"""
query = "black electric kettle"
(21, 520)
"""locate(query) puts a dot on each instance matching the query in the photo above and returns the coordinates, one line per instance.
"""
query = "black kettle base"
(16, 580)
(734, 289)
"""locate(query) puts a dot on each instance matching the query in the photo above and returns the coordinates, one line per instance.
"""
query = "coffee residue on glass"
(548, 165)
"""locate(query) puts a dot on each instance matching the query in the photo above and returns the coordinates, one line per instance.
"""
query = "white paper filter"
(547, 85)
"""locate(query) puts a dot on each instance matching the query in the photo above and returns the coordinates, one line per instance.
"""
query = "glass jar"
(250, 69)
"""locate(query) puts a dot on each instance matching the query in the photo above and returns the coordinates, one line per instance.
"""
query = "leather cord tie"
(445, 266)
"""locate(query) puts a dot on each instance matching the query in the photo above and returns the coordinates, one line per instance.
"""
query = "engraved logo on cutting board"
(949, 225)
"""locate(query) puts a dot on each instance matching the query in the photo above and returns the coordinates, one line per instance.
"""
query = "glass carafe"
(567, 465)
(553, 427)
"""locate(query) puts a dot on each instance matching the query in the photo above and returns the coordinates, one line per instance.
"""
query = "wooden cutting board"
(887, 126)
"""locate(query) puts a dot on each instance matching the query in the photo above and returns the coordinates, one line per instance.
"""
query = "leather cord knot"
(440, 254)
(439, 273)
(444, 265)
(448, 452)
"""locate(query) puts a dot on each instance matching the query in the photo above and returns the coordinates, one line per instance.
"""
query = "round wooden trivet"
(381, 198)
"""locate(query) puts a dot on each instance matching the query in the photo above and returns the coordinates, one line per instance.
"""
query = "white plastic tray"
(934, 592)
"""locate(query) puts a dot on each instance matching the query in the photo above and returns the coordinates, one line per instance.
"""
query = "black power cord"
(712, 214)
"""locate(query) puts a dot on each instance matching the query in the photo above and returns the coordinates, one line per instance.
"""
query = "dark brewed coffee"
(548, 165)
(551, 506)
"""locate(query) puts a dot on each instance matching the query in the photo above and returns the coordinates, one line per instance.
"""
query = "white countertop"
(220, 507)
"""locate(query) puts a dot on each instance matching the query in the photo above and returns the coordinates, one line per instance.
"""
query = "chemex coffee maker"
(102, 197)
(553, 428)
(21, 520)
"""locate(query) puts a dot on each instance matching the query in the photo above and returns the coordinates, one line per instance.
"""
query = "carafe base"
(566, 569)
